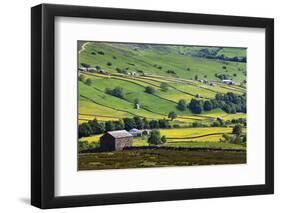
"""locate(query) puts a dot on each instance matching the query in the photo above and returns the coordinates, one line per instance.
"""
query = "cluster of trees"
(143, 123)
(85, 65)
(235, 59)
(119, 70)
(90, 128)
(221, 123)
(238, 137)
(158, 66)
(181, 105)
(198, 124)
(84, 145)
(214, 54)
(196, 106)
(222, 76)
(117, 92)
(229, 102)
(94, 127)
(151, 90)
(171, 72)
(155, 138)
(241, 121)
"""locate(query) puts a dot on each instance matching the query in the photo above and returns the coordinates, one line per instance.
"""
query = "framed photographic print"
(136, 106)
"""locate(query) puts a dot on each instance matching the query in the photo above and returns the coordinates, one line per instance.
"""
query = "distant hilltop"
(189, 62)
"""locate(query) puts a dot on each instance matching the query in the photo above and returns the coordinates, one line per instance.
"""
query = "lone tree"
(117, 92)
(149, 90)
(155, 137)
(136, 101)
(163, 139)
(88, 82)
(164, 86)
(172, 115)
(181, 105)
(85, 65)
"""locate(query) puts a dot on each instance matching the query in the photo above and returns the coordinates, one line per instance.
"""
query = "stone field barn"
(116, 140)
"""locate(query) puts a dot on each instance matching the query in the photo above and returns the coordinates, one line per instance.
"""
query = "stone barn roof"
(120, 134)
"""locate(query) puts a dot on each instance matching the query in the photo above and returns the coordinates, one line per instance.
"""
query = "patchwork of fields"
(185, 137)
(156, 106)
(172, 74)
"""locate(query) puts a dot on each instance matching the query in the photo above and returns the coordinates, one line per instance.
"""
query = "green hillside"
(152, 63)
(184, 61)
(172, 94)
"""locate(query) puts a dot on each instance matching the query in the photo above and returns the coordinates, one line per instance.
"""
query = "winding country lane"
(83, 47)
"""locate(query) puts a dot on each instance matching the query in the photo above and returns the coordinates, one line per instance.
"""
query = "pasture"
(185, 137)
(93, 99)
(157, 59)
(152, 81)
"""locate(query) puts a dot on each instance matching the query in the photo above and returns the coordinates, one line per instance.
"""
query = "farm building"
(137, 106)
(135, 132)
(92, 69)
(228, 82)
(219, 119)
(83, 69)
(115, 140)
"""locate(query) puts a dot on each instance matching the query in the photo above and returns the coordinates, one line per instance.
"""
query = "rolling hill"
(182, 61)
(152, 63)
(126, 86)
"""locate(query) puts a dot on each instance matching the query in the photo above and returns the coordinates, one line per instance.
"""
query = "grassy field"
(157, 158)
(180, 133)
(184, 60)
(185, 137)
(94, 100)
(183, 69)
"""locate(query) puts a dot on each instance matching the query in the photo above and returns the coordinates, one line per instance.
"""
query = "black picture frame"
(43, 102)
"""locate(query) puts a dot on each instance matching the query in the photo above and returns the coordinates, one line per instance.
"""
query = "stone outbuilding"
(116, 140)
